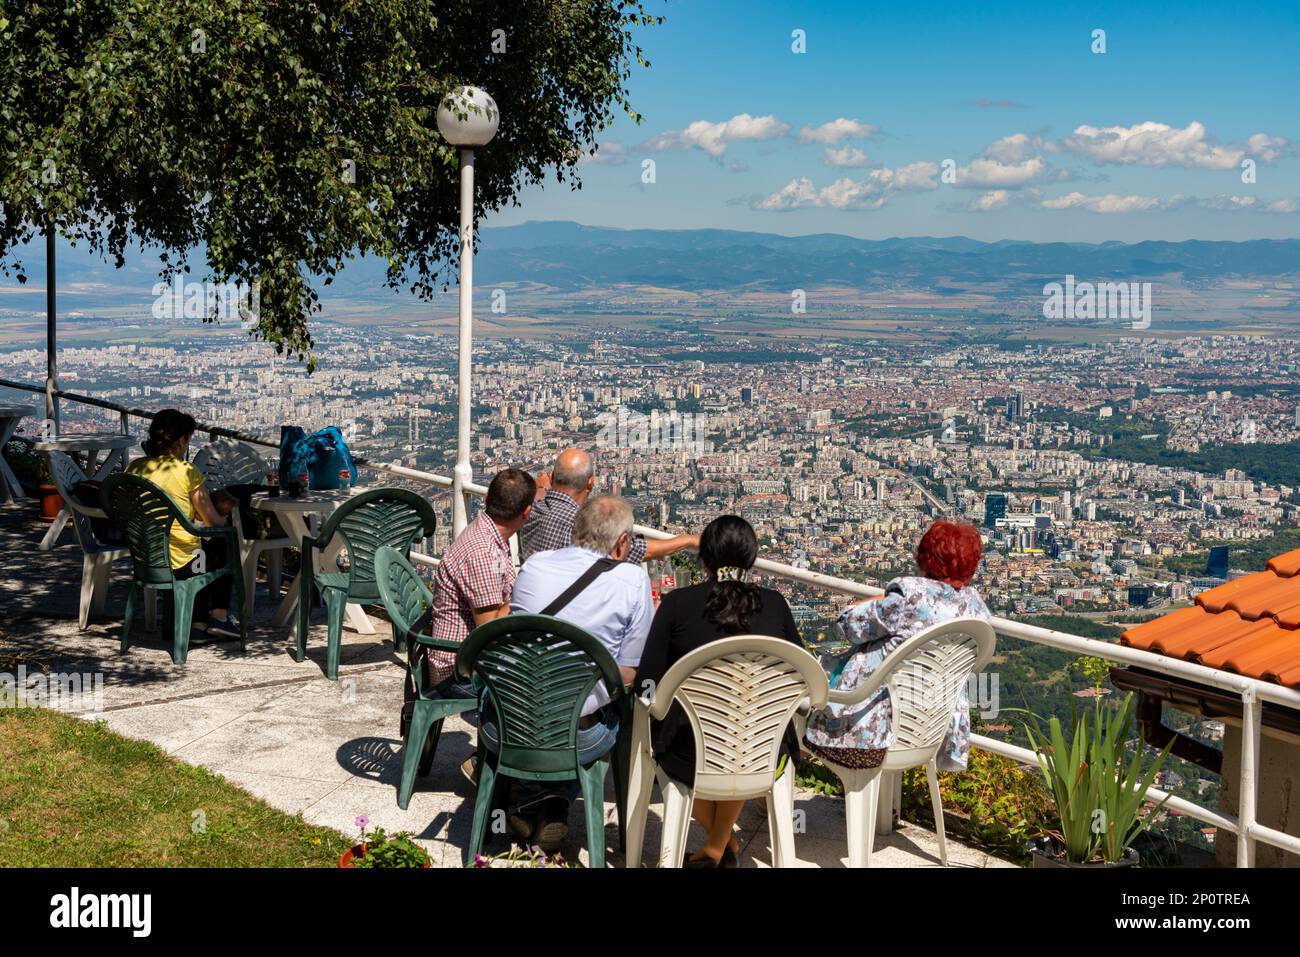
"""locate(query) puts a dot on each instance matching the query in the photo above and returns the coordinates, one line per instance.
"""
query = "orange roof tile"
(1217, 599)
(1250, 625)
(1287, 564)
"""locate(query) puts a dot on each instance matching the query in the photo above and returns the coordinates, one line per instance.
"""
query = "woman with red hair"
(858, 736)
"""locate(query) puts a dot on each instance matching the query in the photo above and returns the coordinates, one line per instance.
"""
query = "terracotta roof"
(1250, 625)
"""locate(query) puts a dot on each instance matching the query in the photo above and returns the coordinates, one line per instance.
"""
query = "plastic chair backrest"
(926, 675)
(225, 463)
(66, 474)
(739, 694)
(146, 514)
(538, 671)
(404, 596)
(395, 517)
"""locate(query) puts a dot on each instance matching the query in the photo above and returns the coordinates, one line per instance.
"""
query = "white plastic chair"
(98, 557)
(925, 675)
(224, 463)
(739, 694)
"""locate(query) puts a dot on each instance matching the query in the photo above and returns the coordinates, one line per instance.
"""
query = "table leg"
(10, 490)
(102, 471)
(295, 524)
(52, 535)
(9, 487)
(288, 604)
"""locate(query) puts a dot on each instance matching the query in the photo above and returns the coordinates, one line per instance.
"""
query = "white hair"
(600, 522)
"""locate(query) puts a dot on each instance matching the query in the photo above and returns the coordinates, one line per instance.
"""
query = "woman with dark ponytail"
(725, 604)
(166, 464)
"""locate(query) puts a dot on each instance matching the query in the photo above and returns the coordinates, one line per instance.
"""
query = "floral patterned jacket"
(874, 629)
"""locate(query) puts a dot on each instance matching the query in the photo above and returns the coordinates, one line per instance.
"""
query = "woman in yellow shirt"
(165, 464)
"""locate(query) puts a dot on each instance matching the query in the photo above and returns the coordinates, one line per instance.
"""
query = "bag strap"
(598, 568)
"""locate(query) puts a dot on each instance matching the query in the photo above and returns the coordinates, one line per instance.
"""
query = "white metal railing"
(1253, 693)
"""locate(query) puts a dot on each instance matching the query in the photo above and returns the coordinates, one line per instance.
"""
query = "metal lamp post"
(467, 118)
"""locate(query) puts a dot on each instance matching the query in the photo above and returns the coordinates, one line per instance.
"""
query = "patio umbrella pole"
(51, 366)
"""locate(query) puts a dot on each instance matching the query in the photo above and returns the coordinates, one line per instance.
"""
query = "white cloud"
(604, 154)
(1229, 202)
(714, 138)
(837, 131)
(872, 192)
(1015, 148)
(1110, 203)
(846, 193)
(1267, 148)
(994, 199)
(796, 194)
(846, 156)
(1007, 163)
(1153, 144)
(984, 172)
(910, 177)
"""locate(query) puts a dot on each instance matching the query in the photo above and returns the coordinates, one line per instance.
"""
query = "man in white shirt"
(616, 608)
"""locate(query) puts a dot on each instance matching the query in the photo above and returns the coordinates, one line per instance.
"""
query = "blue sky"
(996, 121)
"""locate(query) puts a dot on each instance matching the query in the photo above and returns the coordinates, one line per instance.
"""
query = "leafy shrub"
(516, 857)
(995, 804)
(811, 773)
(397, 850)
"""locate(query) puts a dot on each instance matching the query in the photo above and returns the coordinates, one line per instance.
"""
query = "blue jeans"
(455, 687)
(593, 742)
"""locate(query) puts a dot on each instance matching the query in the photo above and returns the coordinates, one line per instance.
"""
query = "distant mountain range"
(570, 257)
(723, 258)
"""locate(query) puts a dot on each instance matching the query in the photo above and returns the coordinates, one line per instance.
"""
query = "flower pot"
(1046, 851)
(359, 850)
(356, 850)
(51, 502)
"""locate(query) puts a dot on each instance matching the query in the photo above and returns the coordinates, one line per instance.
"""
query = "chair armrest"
(215, 531)
(862, 692)
(438, 644)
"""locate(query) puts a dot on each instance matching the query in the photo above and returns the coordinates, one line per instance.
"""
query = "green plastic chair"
(147, 514)
(538, 672)
(366, 522)
(408, 602)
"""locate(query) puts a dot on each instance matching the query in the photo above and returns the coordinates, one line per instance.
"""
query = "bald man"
(559, 496)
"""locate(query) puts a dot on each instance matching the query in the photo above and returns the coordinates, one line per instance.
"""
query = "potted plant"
(33, 473)
(516, 857)
(1099, 785)
(384, 850)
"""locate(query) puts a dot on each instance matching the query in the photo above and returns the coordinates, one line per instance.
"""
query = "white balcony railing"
(1253, 693)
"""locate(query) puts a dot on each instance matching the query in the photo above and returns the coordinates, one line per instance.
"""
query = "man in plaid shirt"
(476, 574)
(560, 495)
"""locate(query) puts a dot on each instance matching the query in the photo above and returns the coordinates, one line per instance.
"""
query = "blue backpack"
(323, 457)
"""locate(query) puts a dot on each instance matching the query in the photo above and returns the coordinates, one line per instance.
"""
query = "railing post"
(1249, 787)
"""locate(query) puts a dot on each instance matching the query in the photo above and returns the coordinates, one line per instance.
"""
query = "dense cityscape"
(1086, 466)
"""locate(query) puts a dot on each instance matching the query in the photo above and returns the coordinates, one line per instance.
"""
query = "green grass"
(74, 794)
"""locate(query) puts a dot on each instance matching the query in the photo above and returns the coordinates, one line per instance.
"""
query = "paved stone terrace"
(326, 750)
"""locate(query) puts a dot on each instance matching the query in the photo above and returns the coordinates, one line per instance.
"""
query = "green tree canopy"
(284, 137)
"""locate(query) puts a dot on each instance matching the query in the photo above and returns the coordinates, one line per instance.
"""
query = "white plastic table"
(91, 444)
(10, 416)
(297, 516)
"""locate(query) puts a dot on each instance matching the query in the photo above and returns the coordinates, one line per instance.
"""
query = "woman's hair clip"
(729, 574)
